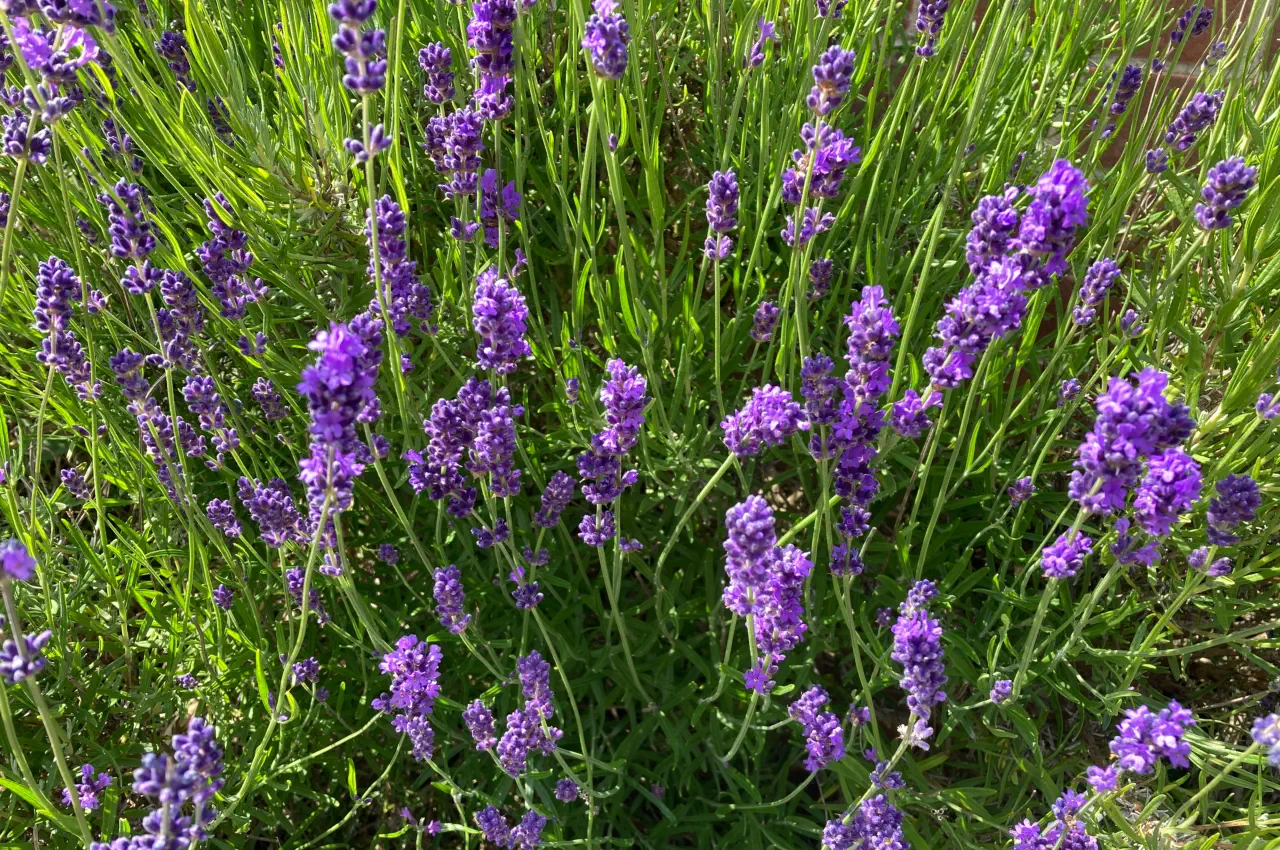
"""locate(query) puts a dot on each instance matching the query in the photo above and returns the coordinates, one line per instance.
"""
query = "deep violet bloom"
(498, 207)
(1021, 490)
(1266, 734)
(1001, 690)
(1171, 487)
(597, 531)
(268, 398)
(223, 516)
(755, 56)
(1134, 421)
(873, 333)
(874, 824)
(527, 729)
(192, 774)
(566, 790)
(995, 223)
(1157, 161)
(1203, 15)
(1065, 556)
(917, 646)
(555, 498)
(1225, 188)
(929, 19)
(450, 598)
(91, 784)
(820, 273)
(388, 554)
(364, 50)
(910, 416)
(436, 61)
(832, 77)
(404, 295)
(271, 505)
(132, 236)
(824, 736)
(769, 418)
(499, 316)
(1196, 117)
(1098, 281)
(1126, 88)
(1058, 207)
(765, 321)
(414, 668)
(624, 398)
(826, 156)
(15, 561)
(224, 597)
(722, 211)
(1068, 390)
(1144, 738)
(1237, 501)
(605, 38)
(479, 720)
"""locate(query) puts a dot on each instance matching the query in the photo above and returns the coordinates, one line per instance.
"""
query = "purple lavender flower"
(1157, 161)
(995, 222)
(527, 730)
(811, 225)
(1225, 189)
(454, 142)
(1129, 323)
(339, 391)
(1065, 556)
(364, 50)
(436, 61)
(597, 531)
(824, 737)
(1058, 208)
(909, 416)
(272, 507)
(1266, 734)
(873, 332)
(989, 309)
(1098, 281)
(1144, 738)
(480, 723)
(450, 598)
(605, 38)
(1268, 406)
(765, 321)
(1203, 15)
(875, 824)
(224, 597)
(1133, 422)
(268, 398)
(497, 207)
(295, 579)
(566, 790)
(555, 498)
(859, 716)
(414, 668)
(1021, 490)
(489, 34)
(749, 550)
(1126, 88)
(826, 156)
(572, 386)
(722, 211)
(494, 826)
(830, 8)
(404, 295)
(223, 516)
(131, 234)
(1001, 690)
(1237, 501)
(186, 681)
(15, 561)
(16, 663)
(778, 612)
(91, 784)
(820, 273)
(769, 417)
(528, 833)
(755, 55)
(1170, 488)
(1197, 116)
(172, 47)
(488, 538)
(1128, 547)
(74, 481)
(929, 21)
(388, 554)
(832, 77)
(499, 318)
(306, 670)
(821, 393)
(917, 646)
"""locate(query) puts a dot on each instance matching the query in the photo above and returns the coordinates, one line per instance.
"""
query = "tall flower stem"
(684, 519)
(19, 176)
(618, 619)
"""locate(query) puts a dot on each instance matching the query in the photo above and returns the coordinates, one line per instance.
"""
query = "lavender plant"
(515, 423)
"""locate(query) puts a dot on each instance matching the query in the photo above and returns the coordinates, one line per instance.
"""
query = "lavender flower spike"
(1225, 188)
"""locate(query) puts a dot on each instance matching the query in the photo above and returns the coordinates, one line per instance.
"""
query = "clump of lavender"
(339, 392)
(769, 418)
(525, 835)
(272, 507)
(191, 775)
(1266, 734)
(874, 823)
(475, 432)
(436, 61)
(1197, 116)
(1203, 15)
(1067, 829)
(454, 142)
(605, 38)
(765, 585)
(414, 668)
(910, 416)
(995, 225)
(450, 598)
(722, 211)
(1001, 690)
(824, 737)
(268, 398)
(172, 48)
(1135, 421)
(929, 19)
(765, 321)
(917, 646)
(404, 295)
(624, 397)
(489, 34)
(1126, 88)
(1098, 281)
(527, 729)
(1225, 188)
(1063, 558)
(1170, 488)
(1145, 738)
(202, 398)
(1021, 490)
(226, 259)
(91, 784)
(1237, 502)
(499, 315)
(58, 290)
(566, 790)
(755, 55)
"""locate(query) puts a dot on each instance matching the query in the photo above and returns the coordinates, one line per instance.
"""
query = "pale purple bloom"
(917, 646)
(1001, 691)
(929, 18)
(768, 418)
(824, 737)
(91, 784)
(224, 597)
(766, 320)
(15, 561)
(1021, 490)
(605, 38)
(1225, 188)
(479, 721)
(909, 417)
(566, 790)
(1065, 556)
(450, 598)
(832, 77)
(755, 55)
(414, 668)
(1266, 734)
